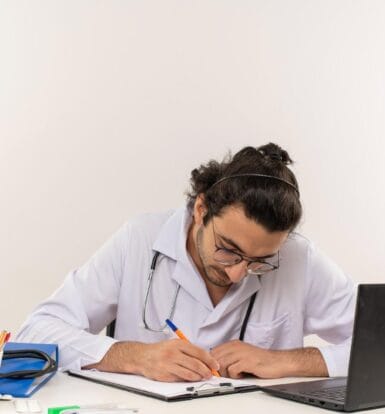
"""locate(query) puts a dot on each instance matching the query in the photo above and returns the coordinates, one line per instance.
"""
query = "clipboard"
(165, 391)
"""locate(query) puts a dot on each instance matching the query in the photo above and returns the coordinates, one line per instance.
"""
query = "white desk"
(64, 390)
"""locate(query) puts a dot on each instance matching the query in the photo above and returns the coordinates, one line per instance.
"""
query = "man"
(227, 269)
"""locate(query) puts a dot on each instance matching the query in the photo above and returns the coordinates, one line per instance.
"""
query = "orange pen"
(181, 335)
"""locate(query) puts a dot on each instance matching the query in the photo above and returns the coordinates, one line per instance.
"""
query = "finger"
(228, 359)
(200, 354)
(235, 370)
(178, 367)
(182, 355)
(218, 354)
(223, 350)
(185, 374)
(195, 365)
(224, 364)
(223, 372)
(163, 376)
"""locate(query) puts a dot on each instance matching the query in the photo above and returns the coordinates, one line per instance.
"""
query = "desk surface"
(65, 390)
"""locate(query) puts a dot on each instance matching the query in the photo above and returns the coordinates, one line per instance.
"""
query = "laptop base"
(310, 392)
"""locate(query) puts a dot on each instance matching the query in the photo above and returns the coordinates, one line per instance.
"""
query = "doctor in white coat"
(228, 269)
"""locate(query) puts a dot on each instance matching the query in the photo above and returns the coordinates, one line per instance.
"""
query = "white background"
(106, 107)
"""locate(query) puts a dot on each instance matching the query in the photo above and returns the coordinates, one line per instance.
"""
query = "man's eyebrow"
(232, 243)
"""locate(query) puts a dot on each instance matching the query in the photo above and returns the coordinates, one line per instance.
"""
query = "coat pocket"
(269, 334)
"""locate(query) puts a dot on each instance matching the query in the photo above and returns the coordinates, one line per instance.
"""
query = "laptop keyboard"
(333, 393)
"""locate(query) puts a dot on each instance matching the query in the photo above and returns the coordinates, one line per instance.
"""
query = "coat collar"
(171, 240)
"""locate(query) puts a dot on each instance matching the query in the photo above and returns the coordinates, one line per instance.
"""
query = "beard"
(212, 274)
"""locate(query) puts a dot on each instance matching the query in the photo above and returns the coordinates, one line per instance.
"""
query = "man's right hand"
(171, 360)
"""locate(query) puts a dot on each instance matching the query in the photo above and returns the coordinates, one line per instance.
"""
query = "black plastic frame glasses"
(228, 257)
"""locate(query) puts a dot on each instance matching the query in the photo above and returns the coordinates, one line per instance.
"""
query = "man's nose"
(237, 272)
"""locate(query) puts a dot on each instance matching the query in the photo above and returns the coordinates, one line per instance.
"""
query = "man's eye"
(261, 261)
(227, 250)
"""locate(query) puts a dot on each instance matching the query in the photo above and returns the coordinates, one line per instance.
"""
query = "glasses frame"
(243, 258)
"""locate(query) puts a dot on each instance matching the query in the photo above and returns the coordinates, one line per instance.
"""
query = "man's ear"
(200, 209)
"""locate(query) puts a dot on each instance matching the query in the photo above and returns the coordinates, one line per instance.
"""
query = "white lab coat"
(308, 294)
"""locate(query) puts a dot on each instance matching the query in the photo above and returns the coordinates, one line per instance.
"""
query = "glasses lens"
(226, 257)
(263, 267)
(260, 267)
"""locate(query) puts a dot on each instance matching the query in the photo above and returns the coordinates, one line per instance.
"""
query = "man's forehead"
(234, 216)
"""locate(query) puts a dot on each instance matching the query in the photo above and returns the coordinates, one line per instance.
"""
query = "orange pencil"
(3, 335)
(181, 335)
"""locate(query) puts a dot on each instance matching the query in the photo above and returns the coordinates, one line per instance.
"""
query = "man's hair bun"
(275, 153)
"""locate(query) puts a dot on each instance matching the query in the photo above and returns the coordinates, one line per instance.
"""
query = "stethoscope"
(175, 297)
(50, 364)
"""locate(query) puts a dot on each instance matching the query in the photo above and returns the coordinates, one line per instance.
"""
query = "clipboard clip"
(211, 389)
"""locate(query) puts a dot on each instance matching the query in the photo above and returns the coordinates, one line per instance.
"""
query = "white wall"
(106, 106)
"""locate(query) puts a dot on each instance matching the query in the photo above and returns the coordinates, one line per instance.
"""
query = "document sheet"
(165, 389)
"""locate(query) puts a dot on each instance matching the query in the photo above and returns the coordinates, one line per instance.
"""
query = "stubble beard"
(212, 274)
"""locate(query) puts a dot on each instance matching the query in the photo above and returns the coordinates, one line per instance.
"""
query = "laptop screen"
(366, 379)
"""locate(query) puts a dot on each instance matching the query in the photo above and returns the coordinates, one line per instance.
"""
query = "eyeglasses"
(255, 267)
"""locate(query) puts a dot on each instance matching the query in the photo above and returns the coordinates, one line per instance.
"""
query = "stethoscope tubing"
(174, 300)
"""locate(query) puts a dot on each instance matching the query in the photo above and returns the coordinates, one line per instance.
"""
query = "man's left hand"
(237, 358)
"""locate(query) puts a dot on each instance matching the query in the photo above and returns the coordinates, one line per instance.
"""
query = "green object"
(58, 410)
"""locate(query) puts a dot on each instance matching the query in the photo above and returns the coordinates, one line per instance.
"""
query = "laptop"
(364, 387)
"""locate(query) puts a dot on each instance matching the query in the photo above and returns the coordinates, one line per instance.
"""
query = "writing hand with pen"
(170, 360)
(176, 360)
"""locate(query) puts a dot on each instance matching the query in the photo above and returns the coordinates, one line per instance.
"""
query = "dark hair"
(272, 202)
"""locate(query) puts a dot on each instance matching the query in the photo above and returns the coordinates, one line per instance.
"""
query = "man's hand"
(171, 360)
(237, 358)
